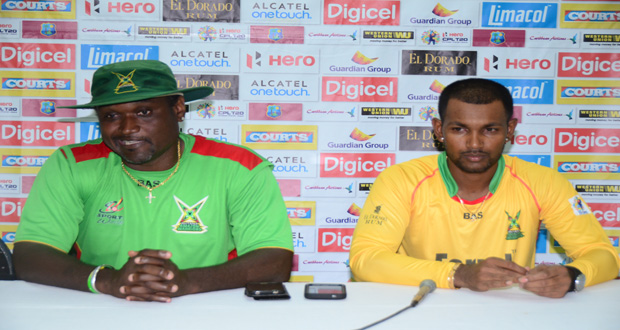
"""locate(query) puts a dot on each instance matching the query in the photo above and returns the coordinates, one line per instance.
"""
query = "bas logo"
(335, 239)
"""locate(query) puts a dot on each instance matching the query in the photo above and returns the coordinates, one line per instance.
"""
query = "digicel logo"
(587, 140)
(41, 134)
(37, 56)
(599, 65)
(342, 165)
(347, 12)
(608, 214)
(335, 239)
(11, 209)
(359, 89)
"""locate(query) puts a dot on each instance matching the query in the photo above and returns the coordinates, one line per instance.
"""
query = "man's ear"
(437, 129)
(512, 126)
(179, 108)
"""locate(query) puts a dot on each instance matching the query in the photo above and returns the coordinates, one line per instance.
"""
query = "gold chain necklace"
(479, 207)
(150, 196)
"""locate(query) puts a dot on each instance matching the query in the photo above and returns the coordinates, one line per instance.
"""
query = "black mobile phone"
(325, 291)
(266, 290)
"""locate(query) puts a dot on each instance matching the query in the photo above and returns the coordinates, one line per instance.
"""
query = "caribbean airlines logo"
(363, 12)
(47, 9)
(596, 65)
(189, 222)
(296, 137)
(523, 15)
(587, 140)
(354, 165)
(588, 92)
(360, 89)
(590, 16)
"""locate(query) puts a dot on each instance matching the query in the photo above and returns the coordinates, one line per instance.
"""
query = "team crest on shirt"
(578, 205)
(189, 222)
(514, 229)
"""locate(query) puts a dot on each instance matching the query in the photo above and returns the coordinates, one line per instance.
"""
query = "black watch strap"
(573, 272)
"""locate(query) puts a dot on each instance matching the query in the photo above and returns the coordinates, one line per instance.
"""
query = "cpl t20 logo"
(428, 113)
(206, 110)
(207, 33)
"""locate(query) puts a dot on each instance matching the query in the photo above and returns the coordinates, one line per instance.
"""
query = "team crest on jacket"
(189, 222)
(514, 229)
(578, 205)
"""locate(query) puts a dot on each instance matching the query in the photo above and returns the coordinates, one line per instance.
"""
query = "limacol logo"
(95, 56)
(528, 15)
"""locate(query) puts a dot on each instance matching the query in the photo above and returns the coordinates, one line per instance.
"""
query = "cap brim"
(190, 94)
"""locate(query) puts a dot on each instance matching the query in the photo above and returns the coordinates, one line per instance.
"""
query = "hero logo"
(335, 239)
(601, 65)
(607, 213)
(587, 167)
(340, 165)
(362, 12)
(517, 64)
(360, 89)
(116, 7)
(587, 140)
(280, 60)
(48, 134)
(533, 139)
(40, 56)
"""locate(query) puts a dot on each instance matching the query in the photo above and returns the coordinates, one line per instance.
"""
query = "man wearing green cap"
(146, 213)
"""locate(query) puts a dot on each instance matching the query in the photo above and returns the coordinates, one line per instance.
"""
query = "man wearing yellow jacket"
(469, 217)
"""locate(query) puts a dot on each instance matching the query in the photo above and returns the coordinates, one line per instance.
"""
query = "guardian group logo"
(515, 15)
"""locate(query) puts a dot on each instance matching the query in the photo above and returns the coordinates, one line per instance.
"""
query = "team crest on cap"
(125, 85)
(189, 222)
(514, 229)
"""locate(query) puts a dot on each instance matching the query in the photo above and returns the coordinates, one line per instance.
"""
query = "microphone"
(426, 287)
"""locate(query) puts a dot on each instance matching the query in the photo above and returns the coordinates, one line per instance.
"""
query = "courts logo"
(529, 91)
(302, 137)
(23, 161)
(301, 213)
(514, 15)
(358, 165)
(588, 92)
(599, 65)
(587, 140)
(363, 12)
(359, 89)
(335, 239)
(592, 16)
(95, 56)
(580, 167)
(426, 62)
(48, 9)
(37, 84)
(37, 56)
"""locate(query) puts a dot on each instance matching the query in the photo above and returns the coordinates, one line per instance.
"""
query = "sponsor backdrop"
(332, 92)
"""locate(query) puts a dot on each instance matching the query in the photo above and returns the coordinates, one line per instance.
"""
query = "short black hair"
(476, 91)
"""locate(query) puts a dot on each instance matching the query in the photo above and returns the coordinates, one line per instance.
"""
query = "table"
(28, 306)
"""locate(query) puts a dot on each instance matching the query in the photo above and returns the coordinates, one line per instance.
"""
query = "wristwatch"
(579, 280)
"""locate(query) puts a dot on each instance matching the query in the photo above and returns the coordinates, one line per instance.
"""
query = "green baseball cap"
(137, 80)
